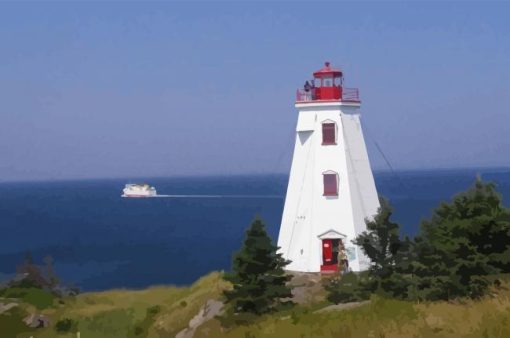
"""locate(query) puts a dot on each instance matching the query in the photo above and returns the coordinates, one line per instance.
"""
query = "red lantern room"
(327, 85)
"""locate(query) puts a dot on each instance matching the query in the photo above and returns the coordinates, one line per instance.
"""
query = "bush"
(35, 296)
(65, 325)
(153, 310)
(347, 288)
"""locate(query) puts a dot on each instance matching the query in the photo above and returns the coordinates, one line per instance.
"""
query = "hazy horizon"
(140, 179)
(119, 90)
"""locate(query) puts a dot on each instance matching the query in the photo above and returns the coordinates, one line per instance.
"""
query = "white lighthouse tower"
(331, 188)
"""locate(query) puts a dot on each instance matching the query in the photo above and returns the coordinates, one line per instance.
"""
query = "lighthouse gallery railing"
(348, 95)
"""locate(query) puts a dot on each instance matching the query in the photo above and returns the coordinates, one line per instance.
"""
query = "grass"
(159, 312)
(37, 297)
(11, 323)
(142, 327)
(305, 322)
(384, 318)
(152, 312)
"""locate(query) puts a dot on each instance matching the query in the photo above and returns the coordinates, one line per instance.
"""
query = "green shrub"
(39, 298)
(66, 325)
(139, 330)
(346, 288)
(153, 310)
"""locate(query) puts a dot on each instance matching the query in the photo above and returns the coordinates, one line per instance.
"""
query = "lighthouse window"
(328, 133)
(330, 184)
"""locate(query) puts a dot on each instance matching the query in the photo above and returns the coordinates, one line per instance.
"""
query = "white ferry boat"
(138, 190)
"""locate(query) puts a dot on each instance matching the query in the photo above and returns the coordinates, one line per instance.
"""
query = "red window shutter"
(328, 133)
(330, 184)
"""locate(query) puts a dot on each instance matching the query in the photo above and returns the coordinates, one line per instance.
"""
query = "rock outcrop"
(211, 309)
(35, 320)
(6, 307)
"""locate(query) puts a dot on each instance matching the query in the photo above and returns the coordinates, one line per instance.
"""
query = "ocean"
(99, 240)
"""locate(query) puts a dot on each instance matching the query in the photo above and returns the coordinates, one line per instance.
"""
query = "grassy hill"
(381, 318)
(160, 311)
(164, 311)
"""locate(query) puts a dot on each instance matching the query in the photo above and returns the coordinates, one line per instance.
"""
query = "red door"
(327, 251)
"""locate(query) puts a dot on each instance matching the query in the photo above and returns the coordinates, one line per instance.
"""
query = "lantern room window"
(328, 133)
(327, 81)
(330, 183)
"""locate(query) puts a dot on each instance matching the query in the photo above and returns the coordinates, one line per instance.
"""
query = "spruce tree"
(463, 242)
(457, 249)
(381, 241)
(382, 244)
(259, 283)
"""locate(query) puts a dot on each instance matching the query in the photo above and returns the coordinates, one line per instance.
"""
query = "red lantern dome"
(327, 71)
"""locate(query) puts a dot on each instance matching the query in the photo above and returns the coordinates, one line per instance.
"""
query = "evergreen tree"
(258, 279)
(464, 241)
(382, 244)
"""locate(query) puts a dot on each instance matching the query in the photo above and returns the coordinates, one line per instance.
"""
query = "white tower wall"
(308, 216)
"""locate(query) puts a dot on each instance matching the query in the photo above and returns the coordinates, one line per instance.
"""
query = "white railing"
(302, 95)
(348, 94)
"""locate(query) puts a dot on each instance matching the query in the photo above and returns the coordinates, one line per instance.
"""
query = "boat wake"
(216, 196)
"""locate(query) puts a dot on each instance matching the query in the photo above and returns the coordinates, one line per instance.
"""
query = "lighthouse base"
(329, 268)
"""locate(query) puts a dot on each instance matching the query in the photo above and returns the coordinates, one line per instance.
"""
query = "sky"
(144, 89)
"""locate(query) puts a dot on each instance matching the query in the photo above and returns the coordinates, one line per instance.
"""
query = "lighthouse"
(331, 190)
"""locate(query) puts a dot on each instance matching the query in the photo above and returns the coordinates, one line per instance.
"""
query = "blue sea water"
(99, 240)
